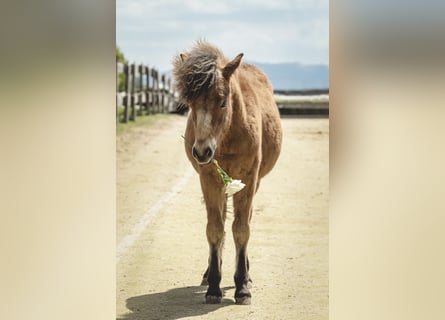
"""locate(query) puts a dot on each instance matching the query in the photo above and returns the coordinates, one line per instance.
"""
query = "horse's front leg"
(241, 234)
(215, 200)
(204, 281)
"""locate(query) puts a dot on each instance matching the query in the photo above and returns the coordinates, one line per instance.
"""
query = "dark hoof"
(243, 296)
(243, 300)
(214, 295)
(213, 299)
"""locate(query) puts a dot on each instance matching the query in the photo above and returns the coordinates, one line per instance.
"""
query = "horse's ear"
(231, 66)
(183, 56)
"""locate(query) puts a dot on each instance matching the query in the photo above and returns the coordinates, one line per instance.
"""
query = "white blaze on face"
(204, 132)
(203, 124)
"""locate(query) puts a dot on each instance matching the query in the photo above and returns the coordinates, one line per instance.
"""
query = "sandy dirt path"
(161, 244)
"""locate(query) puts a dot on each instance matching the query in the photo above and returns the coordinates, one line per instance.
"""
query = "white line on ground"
(137, 230)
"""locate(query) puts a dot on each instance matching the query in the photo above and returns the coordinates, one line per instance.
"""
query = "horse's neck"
(238, 109)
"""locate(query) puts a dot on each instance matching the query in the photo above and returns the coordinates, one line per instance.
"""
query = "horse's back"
(257, 77)
(257, 84)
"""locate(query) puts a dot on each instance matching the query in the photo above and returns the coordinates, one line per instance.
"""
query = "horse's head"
(203, 82)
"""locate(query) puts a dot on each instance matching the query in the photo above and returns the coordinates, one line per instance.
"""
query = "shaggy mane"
(198, 73)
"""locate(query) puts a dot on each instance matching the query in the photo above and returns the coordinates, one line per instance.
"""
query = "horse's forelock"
(199, 72)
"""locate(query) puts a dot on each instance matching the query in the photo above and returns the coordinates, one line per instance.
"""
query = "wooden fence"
(145, 91)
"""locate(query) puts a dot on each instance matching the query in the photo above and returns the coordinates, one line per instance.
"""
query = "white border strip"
(137, 230)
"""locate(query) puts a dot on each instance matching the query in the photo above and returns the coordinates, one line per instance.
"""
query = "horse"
(232, 118)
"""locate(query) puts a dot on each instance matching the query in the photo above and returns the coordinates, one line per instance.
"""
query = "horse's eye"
(224, 103)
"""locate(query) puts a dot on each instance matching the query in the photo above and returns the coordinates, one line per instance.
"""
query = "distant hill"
(293, 76)
(296, 76)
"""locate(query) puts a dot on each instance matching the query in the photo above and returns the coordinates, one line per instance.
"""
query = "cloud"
(268, 31)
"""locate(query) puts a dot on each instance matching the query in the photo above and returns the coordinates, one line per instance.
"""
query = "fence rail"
(145, 91)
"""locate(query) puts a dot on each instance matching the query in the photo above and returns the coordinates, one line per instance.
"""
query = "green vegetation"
(121, 58)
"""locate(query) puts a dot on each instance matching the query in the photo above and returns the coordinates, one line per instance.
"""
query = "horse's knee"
(241, 232)
(215, 233)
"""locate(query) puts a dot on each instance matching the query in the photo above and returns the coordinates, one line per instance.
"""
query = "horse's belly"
(271, 142)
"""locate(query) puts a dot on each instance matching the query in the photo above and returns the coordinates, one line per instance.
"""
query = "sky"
(271, 31)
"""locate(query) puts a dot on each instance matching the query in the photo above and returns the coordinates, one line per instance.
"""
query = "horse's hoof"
(243, 300)
(213, 299)
(204, 282)
(243, 296)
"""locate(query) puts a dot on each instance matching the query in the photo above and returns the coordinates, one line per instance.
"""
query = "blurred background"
(58, 126)
(283, 35)
(288, 40)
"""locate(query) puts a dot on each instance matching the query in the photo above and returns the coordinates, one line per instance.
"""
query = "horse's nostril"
(194, 152)
(208, 152)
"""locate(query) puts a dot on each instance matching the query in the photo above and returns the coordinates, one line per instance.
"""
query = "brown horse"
(234, 119)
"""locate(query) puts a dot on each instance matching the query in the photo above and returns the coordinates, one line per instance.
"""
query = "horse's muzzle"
(203, 155)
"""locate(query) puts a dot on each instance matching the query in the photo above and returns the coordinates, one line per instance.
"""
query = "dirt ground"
(161, 243)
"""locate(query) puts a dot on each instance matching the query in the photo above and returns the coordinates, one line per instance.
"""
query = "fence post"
(170, 95)
(146, 90)
(152, 90)
(166, 96)
(156, 90)
(141, 89)
(161, 93)
(133, 82)
(125, 100)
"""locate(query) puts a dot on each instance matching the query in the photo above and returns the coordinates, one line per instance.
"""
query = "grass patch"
(144, 120)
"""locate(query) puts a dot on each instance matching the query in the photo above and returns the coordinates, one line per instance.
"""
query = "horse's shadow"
(172, 304)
